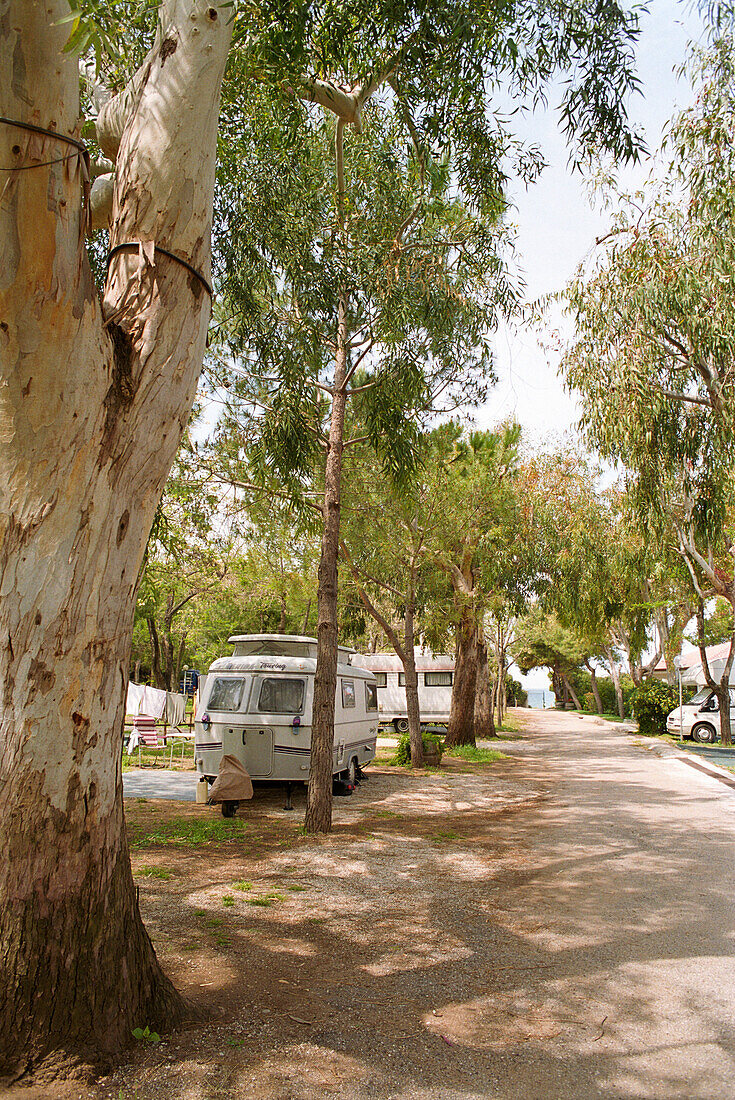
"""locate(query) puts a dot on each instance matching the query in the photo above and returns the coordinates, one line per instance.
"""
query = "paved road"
(160, 783)
(627, 914)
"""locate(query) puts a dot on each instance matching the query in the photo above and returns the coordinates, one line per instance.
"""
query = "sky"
(556, 230)
(557, 226)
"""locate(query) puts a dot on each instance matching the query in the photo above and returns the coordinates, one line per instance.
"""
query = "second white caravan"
(435, 676)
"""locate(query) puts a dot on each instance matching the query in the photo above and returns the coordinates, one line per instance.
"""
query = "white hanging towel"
(153, 702)
(134, 699)
(175, 708)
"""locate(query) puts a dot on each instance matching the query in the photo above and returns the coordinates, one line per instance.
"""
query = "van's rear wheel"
(229, 809)
(704, 733)
(401, 725)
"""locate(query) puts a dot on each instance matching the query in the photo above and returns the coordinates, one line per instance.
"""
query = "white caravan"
(257, 707)
(435, 676)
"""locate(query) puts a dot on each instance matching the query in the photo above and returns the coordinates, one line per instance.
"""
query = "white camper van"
(700, 717)
(435, 676)
(257, 706)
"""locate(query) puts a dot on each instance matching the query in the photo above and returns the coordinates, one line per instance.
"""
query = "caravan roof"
(281, 645)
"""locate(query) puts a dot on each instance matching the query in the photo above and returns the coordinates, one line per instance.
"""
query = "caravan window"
(281, 696)
(226, 694)
(381, 678)
(348, 694)
(371, 697)
(401, 679)
(438, 679)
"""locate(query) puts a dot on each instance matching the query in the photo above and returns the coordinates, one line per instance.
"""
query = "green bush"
(652, 702)
(432, 743)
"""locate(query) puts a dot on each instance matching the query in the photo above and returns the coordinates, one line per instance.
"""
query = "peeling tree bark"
(461, 728)
(484, 724)
(93, 401)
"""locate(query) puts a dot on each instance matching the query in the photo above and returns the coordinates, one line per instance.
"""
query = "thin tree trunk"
(572, 692)
(168, 671)
(461, 729)
(412, 685)
(484, 725)
(405, 651)
(595, 688)
(721, 687)
(615, 676)
(179, 661)
(319, 796)
(91, 418)
(156, 670)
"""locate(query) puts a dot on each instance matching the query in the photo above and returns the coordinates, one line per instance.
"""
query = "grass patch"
(475, 755)
(386, 813)
(449, 834)
(242, 885)
(186, 832)
(228, 901)
(264, 900)
(295, 888)
(154, 872)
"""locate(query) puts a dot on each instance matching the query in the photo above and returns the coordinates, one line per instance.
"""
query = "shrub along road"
(557, 923)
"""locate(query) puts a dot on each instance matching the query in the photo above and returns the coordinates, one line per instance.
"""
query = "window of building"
(348, 694)
(281, 696)
(438, 679)
(381, 679)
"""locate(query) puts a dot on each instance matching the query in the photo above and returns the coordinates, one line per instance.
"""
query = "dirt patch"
(379, 961)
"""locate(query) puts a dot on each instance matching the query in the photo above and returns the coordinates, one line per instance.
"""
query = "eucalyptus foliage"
(654, 350)
(445, 60)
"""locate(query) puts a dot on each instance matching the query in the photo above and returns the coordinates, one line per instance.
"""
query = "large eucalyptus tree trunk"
(461, 728)
(484, 724)
(95, 396)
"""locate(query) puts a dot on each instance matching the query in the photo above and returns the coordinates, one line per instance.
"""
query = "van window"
(371, 697)
(281, 696)
(226, 694)
(348, 694)
(713, 704)
(381, 679)
(438, 679)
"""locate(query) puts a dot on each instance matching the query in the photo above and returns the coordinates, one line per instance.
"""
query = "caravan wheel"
(229, 809)
(401, 725)
(353, 772)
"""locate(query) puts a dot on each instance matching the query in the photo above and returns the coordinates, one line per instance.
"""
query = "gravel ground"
(558, 923)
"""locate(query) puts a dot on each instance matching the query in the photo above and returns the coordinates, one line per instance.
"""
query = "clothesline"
(156, 703)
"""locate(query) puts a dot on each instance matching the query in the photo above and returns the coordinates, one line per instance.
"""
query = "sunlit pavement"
(160, 783)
